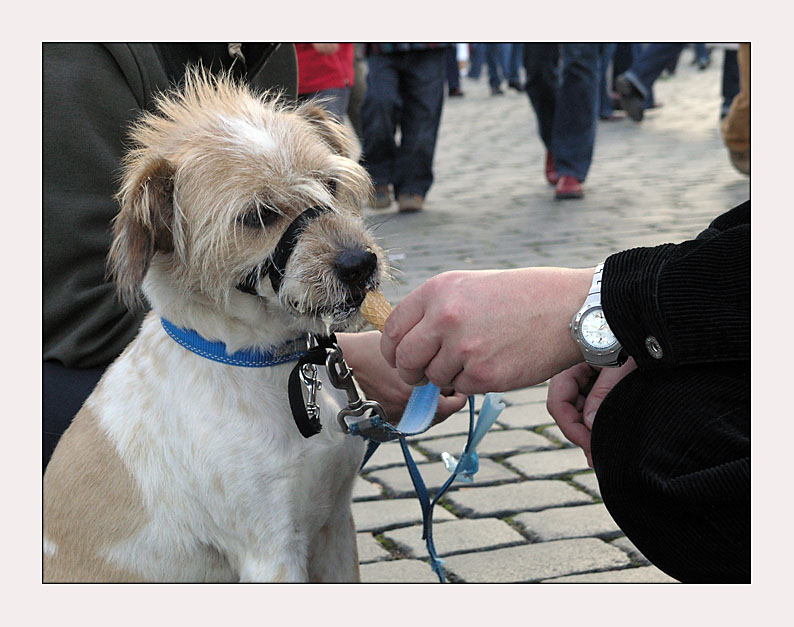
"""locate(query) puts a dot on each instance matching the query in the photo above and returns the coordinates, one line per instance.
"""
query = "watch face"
(595, 331)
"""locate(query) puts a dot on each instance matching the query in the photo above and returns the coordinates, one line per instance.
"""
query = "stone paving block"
(379, 515)
(535, 562)
(524, 416)
(364, 490)
(557, 436)
(534, 394)
(390, 454)
(549, 463)
(369, 549)
(503, 500)
(398, 481)
(501, 442)
(456, 536)
(589, 482)
(457, 423)
(642, 574)
(398, 571)
(627, 545)
(569, 522)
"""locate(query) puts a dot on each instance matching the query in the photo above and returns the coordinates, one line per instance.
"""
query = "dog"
(180, 468)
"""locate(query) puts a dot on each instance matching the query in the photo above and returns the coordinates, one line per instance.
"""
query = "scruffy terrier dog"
(180, 467)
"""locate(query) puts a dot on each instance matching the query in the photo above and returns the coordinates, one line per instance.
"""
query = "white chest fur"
(231, 488)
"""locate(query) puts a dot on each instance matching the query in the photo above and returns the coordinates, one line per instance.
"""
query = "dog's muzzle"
(353, 266)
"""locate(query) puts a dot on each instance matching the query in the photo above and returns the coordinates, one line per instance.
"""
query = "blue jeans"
(513, 59)
(493, 55)
(650, 64)
(453, 73)
(405, 90)
(335, 100)
(566, 104)
(730, 80)
(605, 108)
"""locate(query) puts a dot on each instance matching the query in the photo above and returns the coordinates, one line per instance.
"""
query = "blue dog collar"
(248, 357)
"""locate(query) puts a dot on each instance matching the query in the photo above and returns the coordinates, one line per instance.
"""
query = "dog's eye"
(257, 217)
(330, 185)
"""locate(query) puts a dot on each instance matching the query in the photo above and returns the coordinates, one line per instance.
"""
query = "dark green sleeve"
(89, 97)
(693, 297)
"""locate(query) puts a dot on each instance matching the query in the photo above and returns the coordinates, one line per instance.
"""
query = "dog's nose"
(356, 266)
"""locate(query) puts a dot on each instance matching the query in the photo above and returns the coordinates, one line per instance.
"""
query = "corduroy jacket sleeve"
(691, 299)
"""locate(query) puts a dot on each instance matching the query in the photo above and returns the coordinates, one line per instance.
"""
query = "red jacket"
(324, 71)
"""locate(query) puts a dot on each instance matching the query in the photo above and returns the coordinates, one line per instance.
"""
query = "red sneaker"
(551, 170)
(568, 187)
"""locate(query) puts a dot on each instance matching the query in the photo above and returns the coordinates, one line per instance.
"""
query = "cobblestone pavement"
(533, 513)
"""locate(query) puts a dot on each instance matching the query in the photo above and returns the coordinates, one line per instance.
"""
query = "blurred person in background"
(326, 71)
(405, 90)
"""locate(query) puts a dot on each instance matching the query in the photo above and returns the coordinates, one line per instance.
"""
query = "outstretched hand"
(575, 396)
(487, 331)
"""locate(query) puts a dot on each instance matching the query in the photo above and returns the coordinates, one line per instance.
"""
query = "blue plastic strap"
(417, 418)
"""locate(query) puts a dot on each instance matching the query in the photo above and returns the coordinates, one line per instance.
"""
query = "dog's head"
(217, 176)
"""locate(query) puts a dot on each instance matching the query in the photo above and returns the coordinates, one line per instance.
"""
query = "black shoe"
(515, 85)
(497, 91)
(631, 100)
(456, 92)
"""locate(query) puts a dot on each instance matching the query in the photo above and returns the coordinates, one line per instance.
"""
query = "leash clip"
(341, 376)
(308, 374)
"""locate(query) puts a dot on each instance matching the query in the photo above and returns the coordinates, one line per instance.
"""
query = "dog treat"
(376, 309)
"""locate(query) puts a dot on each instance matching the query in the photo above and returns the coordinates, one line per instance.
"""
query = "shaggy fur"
(178, 468)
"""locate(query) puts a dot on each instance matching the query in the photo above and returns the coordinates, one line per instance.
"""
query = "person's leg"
(453, 73)
(476, 60)
(379, 117)
(334, 100)
(671, 451)
(422, 94)
(649, 66)
(357, 92)
(702, 55)
(573, 134)
(540, 62)
(730, 80)
(606, 108)
(492, 53)
(63, 392)
(516, 52)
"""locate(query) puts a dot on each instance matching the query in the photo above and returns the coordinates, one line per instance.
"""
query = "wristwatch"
(589, 328)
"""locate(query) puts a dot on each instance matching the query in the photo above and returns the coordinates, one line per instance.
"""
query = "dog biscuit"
(376, 309)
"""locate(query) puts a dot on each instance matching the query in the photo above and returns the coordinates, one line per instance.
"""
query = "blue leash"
(417, 418)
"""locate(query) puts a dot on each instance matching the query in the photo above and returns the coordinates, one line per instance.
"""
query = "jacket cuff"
(630, 301)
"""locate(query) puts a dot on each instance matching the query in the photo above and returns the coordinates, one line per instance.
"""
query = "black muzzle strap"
(275, 266)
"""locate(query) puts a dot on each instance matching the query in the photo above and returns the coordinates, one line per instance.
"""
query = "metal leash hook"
(308, 375)
(341, 377)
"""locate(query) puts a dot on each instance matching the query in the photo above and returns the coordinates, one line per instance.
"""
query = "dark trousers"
(650, 65)
(671, 450)
(63, 392)
(566, 106)
(730, 80)
(405, 90)
(453, 71)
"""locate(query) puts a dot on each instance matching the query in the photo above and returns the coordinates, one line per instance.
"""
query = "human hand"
(575, 396)
(487, 331)
(380, 382)
(326, 48)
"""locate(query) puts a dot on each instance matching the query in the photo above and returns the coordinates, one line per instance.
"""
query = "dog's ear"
(332, 131)
(143, 225)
